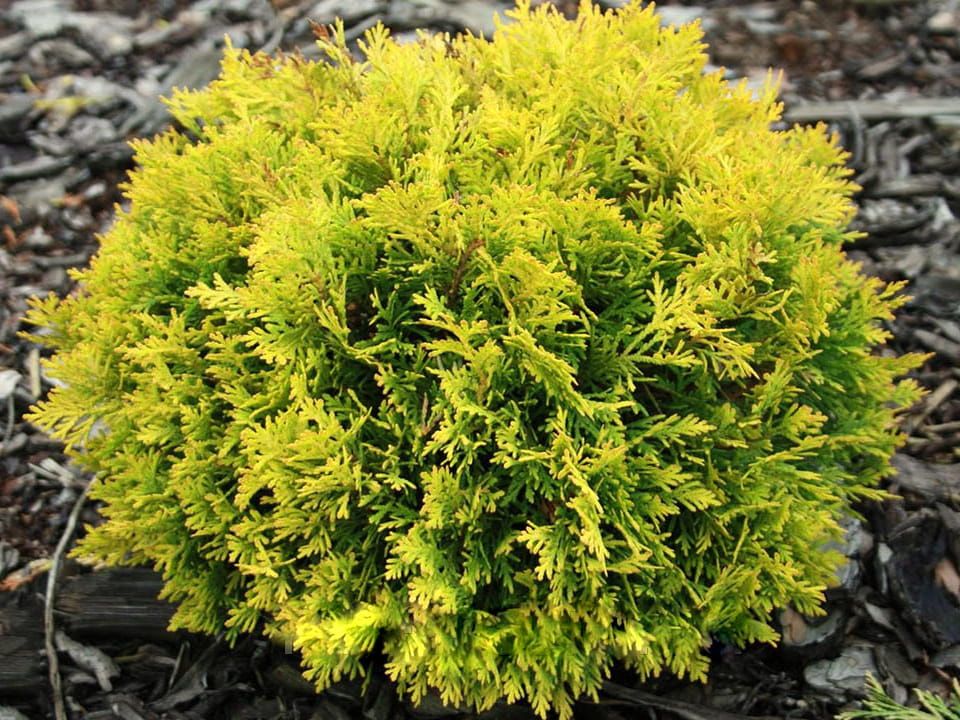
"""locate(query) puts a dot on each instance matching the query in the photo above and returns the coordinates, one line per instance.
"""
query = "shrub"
(501, 360)
(880, 706)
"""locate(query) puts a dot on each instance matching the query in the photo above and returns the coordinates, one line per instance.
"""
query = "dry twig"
(931, 403)
(59, 710)
(832, 111)
(685, 710)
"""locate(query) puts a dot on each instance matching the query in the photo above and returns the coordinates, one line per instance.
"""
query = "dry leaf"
(24, 575)
(947, 577)
(10, 205)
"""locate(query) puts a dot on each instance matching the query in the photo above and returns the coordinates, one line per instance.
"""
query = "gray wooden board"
(115, 603)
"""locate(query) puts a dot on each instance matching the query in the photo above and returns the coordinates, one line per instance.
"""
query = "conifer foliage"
(502, 361)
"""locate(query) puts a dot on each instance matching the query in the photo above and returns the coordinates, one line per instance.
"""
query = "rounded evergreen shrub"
(503, 361)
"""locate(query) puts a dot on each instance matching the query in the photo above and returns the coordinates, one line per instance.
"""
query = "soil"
(78, 80)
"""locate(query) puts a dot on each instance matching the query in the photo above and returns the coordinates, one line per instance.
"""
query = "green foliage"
(505, 360)
(880, 706)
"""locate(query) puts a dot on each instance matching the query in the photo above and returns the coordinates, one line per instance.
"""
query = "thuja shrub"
(502, 361)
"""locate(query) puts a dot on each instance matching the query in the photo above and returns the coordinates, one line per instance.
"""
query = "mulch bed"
(79, 79)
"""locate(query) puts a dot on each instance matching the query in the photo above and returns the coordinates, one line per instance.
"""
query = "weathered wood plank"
(872, 109)
(21, 646)
(120, 602)
(115, 603)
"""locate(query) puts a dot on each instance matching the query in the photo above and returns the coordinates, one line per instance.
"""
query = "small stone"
(37, 239)
(35, 198)
(685, 14)
(115, 44)
(62, 53)
(79, 219)
(13, 108)
(764, 28)
(237, 9)
(760, 12)
(150, 86)
(405, 37)
(476, 15)
(17, 443)
(13, 45)
(100, 95)
(54, 278)
(945, 22)
(40, 166)
(183, 27)
(856, 543)
(95, 190)
(88, 133)
(51, 144)
(106, 34)
(326, 11)
(64, 499)
(40, 18)
(812, 635)
(245, 9)
(845, 675)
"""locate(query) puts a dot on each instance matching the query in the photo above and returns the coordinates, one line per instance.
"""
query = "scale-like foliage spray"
(503, 360)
